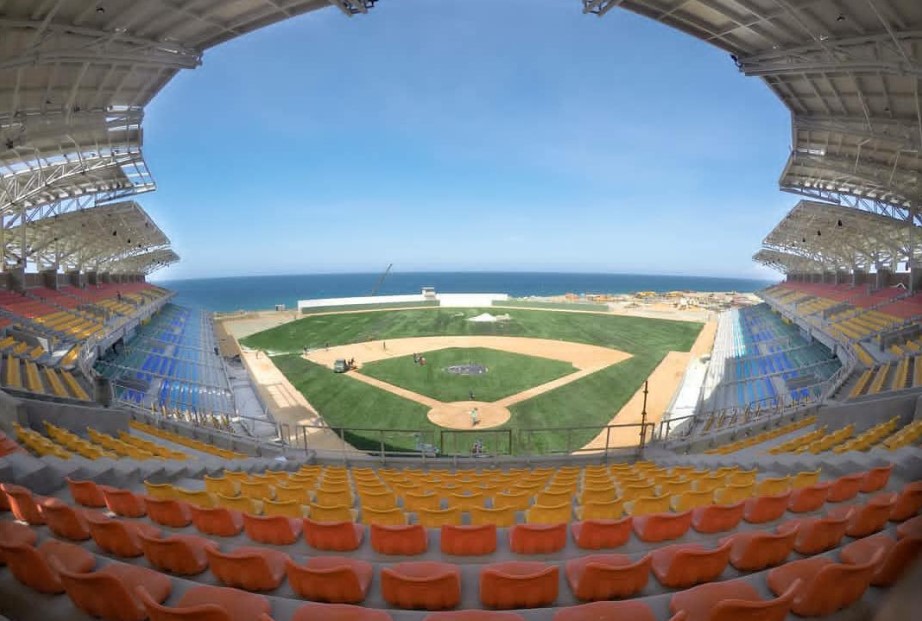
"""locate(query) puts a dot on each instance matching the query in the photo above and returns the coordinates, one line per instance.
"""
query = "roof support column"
(842, 277)
(92, 278)
(16, 277)
(859, 277)
(50, 277)
(884, 277)
(829, 278)
(75, 279)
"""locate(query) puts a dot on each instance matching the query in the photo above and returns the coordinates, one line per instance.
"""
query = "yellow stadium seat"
(257, 489)
(772, 486)
(436, 518)
(336, 496)
(512, 500)
(383, 499)
(332, 513)
(160, 491)
(637, 490)
(200, 498)
(645, 505)
(597, 494)
(548, 514)
(690, 500)
(710, 483)
(601, 510)
(284, 508)
(291, 492)
(731, 494)
(806, 478)
(554, 497)
(413, 501)
(674, 487)
(466, 501)
(240, 503)
(221, 485)
(502, 516)
(384, 517)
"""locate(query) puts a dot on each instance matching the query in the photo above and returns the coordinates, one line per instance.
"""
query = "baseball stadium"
(435, 456)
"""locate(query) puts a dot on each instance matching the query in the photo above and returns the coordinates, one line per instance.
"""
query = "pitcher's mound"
(457, 415)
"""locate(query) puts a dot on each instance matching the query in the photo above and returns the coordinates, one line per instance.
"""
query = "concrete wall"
(11, 411)
(866, 414)
(76, 418)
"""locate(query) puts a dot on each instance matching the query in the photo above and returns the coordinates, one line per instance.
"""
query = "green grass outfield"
(507, 373)
(576, 410)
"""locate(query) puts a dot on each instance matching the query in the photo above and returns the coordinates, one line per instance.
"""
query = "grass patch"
(350, 403)
(507, 373)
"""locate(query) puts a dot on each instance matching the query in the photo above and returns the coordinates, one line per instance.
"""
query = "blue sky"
(466, 135)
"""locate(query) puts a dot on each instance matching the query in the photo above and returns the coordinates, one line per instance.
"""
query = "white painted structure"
(449, 300)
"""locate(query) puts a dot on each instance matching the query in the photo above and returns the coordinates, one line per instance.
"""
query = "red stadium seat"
(178, 554)
(124, 503)
(809, 498)
(825, 586)
(86, 493)
(815, 535)
(332, 579)
(333, 536)
(468, 540)
(172, 513)
(755, 550)
(406, 540)
(518, 584)
(717, 518)
(875, 479)
(427, 585)
(599, 534)
(654, 527)
(208, 603)
(607, 576)
(64, 521)
(910, 528)
(249, 568)
(730, 601)
(537, 538)
(761, 509)
(274, 530)
(683, 565)
(111, 592)
(118, 537)
(474, 615)
(898, 556)
(217, 521)
(36, 567)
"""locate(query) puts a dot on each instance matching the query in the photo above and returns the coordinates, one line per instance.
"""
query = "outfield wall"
(448, 300)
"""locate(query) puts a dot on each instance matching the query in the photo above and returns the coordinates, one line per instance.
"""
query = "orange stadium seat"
(331, 579)
(23, 504)
(468, 540)
(898, 556)
(13, 533)
(537, 538)
(875, 479)
(111, 592)
(846, 487)
(815, 535)
(273, 530)
(683, 565)
(64, 521)
(118, 537)
(37, 567)
(910, 528)
(908, 502)
(333, 536)
(474, 615)
(217, 521)
(809, 498)
(407, 540)
(172, 513)
(247, 567)
(662, 526)
(825, 586)
(761, 509)
(730, 601)
(518, 584)
(178, 554)
(208, 603)
(426, 585)
(124, 503)
(599, 534)
(867, 518)
(717, 518)
(607, 576)
(755, 549)
(338, 612)
(596, 611)
(86, 493)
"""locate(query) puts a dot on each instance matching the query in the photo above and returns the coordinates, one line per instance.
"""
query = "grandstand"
(794, 489)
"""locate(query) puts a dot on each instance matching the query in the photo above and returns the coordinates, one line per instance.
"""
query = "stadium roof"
(822, 237)
(88, 238)
(75, 76)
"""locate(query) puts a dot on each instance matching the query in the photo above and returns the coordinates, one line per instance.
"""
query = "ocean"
(264, 292)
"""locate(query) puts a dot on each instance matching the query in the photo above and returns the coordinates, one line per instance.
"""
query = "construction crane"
(381, 280)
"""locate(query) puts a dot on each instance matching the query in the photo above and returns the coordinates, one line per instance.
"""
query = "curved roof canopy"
(816, 237)
(75, 76)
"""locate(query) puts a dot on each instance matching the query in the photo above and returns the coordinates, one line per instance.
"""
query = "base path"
(457, 415)
(663, 384)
